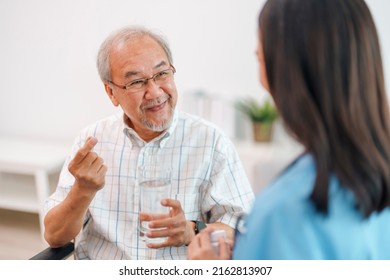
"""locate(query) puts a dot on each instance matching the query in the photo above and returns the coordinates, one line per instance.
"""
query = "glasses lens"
(163, 76)
(159, 78)
(135, 85)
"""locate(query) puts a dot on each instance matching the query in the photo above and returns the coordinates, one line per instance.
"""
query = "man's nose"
(152, 90)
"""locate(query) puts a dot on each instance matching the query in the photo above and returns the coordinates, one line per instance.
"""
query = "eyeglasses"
(159, 79)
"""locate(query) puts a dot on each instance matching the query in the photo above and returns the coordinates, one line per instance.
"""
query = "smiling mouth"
(157, 107)
(156, 104)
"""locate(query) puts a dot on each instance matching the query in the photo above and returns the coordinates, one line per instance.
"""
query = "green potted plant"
(262, 116)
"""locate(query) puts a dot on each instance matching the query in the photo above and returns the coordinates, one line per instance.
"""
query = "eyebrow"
(133, 73)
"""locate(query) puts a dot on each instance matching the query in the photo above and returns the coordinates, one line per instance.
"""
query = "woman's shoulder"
(296, 181)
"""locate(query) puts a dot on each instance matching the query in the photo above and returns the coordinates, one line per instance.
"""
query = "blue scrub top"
(283, 223)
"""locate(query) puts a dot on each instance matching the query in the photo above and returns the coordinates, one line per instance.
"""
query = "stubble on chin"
(162, 124)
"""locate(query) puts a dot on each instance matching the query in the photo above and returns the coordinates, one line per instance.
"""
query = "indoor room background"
(50, 88)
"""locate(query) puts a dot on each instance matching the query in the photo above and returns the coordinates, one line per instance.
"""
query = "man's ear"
(111, 94)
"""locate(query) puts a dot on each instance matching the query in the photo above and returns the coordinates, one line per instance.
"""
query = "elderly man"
(97, 198)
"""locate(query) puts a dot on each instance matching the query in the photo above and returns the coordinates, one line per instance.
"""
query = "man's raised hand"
(88, 168)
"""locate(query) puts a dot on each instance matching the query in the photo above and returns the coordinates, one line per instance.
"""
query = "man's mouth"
(157, 107)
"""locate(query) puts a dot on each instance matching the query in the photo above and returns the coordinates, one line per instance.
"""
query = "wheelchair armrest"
(59, 253)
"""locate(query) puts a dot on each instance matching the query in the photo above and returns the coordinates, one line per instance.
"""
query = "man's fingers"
(97, 162)
(169, 202)
(84, 150)
(88, 146)
(144, 216)
(102, 169)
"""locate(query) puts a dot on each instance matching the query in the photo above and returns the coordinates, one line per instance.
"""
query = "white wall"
(380, 10)
(49, 84)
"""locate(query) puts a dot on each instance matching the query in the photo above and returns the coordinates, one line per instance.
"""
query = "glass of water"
(154, 185)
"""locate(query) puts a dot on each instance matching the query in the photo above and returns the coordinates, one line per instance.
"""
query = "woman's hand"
(200, 247)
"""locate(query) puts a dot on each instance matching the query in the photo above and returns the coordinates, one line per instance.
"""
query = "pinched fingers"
(87, 167)
(84, 151)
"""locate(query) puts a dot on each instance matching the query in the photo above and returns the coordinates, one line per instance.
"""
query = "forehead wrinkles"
(143, 56)
(163, 64)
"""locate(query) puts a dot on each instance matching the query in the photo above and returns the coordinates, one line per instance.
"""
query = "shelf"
(18, 192)
(25, 157)
(263, 161)
(29, 172)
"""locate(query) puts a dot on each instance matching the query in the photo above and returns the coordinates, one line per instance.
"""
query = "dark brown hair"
(324, 70)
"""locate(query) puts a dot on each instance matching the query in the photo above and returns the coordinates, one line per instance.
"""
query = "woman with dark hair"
(321, 62)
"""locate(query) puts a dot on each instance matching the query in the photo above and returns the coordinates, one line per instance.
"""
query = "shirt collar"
(160, 140)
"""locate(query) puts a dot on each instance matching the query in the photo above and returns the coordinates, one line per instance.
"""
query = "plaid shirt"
(207, 178)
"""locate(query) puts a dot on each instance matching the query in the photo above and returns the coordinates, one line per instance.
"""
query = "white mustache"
(154, 102)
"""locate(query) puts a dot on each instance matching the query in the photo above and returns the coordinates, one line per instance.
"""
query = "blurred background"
(50, 88)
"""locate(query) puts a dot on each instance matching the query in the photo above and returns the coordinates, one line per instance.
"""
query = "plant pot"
(262, 132)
